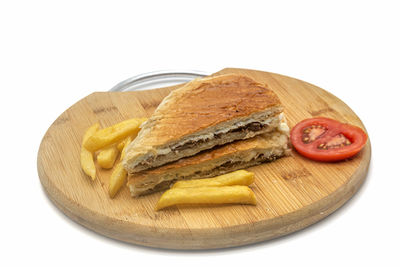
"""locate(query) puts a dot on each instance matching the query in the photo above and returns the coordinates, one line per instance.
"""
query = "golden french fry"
(128, 141)
(113, 134)
(238, 194)
(240, 177)
(119, 174)
(124, 142)
(106, 157)
(117, 179)
(87, 163)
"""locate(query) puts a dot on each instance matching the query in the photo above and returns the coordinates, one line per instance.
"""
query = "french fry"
(124, 142)
(117, 179)
(240, 177)
(106, 157)
(128, 141)
(87, 163)
(238, 194)
(113, 134)
(118, 175)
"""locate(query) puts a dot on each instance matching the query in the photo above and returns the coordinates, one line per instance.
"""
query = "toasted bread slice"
(203, 114)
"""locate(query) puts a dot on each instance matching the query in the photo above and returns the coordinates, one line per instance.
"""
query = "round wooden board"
(292, 192)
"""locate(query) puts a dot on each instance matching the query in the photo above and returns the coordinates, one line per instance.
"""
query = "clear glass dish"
(157, 79)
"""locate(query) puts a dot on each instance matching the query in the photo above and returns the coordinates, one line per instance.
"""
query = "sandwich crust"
(198, 105)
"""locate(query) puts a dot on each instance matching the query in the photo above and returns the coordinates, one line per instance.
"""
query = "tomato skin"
(354, 134)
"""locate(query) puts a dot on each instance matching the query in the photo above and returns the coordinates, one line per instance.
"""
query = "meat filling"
(229, 165)
(251, 127)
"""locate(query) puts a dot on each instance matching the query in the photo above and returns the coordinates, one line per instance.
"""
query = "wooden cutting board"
(292, 192)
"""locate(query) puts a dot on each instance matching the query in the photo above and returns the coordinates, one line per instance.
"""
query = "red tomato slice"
(324, 139)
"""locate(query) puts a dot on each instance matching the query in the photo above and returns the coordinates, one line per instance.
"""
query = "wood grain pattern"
(292, 192)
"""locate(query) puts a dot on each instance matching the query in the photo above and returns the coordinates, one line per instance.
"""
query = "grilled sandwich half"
(203, 114)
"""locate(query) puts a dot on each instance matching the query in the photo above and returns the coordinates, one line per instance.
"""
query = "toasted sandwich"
(203, 114)
(223, 159)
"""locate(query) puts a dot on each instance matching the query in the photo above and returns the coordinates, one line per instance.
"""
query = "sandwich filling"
(240, 130)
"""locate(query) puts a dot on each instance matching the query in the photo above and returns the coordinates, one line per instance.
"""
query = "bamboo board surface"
(292, 192)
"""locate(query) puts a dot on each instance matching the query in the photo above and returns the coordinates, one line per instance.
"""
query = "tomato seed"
(313, 132)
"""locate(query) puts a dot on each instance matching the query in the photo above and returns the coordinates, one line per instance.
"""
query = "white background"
(54, 53)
